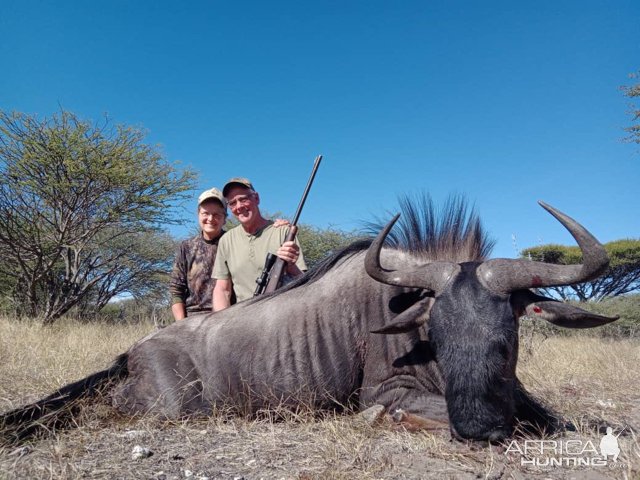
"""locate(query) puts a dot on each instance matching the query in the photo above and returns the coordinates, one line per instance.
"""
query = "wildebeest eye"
(432, 343)
(504, 351)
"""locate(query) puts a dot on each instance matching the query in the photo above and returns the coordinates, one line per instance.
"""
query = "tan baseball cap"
(244, 182)
(212, 193)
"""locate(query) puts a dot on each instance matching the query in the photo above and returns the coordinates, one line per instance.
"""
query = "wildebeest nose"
(498, 435)
(494, 436)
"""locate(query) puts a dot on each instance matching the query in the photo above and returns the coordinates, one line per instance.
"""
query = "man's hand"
(280, 222)
(289, 252)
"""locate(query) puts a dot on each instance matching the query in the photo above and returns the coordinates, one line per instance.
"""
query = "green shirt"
(241, 256)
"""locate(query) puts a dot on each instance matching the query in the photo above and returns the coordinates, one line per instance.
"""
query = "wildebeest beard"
(474, 336)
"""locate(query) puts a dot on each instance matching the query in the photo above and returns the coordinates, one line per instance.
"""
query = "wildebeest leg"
(412, 408)
(162, 380)
(414, 423)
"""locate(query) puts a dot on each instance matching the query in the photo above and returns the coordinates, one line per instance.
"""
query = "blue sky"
(506, 102)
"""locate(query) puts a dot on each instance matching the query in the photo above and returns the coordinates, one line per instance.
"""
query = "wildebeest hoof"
(373, 414)
(414, 423)
(398, 415)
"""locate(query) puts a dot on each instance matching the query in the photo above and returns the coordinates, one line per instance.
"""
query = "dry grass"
(36, 360)
(582, 377)
(583, 374)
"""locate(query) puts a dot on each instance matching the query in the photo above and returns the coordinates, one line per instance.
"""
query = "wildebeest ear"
(525, 302)
(412, 318)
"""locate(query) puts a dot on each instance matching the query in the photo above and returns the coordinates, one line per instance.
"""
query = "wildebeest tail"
(56, 409)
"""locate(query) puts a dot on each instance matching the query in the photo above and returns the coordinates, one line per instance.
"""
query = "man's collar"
(259, 230)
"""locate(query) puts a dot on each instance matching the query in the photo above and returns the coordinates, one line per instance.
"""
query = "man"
(191, 285)
(243, 250)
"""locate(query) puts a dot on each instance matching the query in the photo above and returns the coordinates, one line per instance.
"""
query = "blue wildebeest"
(426, 325)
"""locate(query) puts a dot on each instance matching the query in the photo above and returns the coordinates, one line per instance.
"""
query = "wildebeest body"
(285, 350)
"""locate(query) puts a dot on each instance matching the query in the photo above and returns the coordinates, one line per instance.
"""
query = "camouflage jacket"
(191, 281)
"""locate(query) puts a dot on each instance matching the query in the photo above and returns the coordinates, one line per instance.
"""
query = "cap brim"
(229, 185)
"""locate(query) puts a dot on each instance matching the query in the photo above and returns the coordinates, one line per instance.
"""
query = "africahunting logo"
(567, 453)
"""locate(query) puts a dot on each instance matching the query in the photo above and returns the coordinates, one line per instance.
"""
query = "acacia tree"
(622, 276)
(317, 243)
(142, 270)
(79, 203)
(633, 92)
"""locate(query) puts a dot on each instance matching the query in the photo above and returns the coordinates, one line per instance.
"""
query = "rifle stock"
(277, 271)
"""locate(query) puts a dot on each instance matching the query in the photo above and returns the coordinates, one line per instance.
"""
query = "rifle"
(271, 276)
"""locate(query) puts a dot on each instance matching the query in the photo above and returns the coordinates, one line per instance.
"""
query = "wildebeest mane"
(320, 269)
(452, 233)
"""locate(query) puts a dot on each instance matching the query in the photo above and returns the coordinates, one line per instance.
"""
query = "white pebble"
(140, 452)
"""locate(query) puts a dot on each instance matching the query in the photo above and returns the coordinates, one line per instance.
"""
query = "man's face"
(211, 218)
(243, 204)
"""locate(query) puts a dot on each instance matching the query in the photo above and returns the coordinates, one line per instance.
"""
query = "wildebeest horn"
(432, 276)
(503, 275)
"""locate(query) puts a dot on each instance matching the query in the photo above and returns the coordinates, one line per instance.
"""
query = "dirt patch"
(338, 447)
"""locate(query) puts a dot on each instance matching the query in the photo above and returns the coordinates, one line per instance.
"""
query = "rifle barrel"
(316, 164)
(276, 271)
